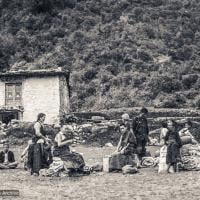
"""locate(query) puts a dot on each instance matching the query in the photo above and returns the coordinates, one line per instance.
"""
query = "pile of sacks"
(191, 157)
(56, 168)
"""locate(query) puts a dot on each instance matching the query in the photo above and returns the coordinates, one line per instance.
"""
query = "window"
(13, 94)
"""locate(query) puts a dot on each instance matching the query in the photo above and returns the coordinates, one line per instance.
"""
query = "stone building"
(24, 94)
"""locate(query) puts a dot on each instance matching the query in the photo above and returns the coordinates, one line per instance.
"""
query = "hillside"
(121, 53)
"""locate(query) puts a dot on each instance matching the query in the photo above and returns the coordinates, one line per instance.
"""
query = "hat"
(125, 116)
(144, 110)
(57, 126)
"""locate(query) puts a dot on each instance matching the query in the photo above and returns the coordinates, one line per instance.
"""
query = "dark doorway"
(6, 117)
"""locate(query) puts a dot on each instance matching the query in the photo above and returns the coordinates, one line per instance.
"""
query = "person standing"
(141, 131)
(173, 142)
(37, 153)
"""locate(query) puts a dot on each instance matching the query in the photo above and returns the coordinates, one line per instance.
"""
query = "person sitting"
(7, 158)
(125, 153)
(73, 162)
(173, 142)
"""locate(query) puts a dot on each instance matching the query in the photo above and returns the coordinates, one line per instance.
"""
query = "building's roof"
(35, 73)
(4, 109)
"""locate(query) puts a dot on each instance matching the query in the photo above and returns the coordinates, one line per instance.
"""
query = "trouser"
(141, 148)
(9, 165)
(173, 153)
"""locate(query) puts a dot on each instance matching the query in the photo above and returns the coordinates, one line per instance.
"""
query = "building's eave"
(35, 73)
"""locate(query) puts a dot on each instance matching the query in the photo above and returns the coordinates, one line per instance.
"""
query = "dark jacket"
(11, 157)
(140, 128)
(35, 138)
(173, 137)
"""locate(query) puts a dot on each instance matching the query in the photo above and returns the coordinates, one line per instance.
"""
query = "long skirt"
(37, 157)
(71, 160)
(173, 153)
(141, 148)
(117, 161)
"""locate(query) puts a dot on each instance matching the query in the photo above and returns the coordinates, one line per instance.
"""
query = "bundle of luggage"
(191, 157)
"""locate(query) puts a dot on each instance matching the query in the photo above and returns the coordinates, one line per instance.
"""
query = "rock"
(129, 169)
(86, 127)
(108, 145)
(99, 118)
(97, 167)
(99, 129)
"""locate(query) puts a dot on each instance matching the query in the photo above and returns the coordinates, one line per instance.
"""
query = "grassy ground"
(145, 185)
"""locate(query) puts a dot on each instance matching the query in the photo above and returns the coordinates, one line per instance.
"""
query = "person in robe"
(173, 142)
(141, 131)
(73, 161)
(125, 153)
(39, 154)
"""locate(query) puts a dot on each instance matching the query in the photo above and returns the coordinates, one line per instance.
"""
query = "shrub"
(69, 3)
(145, 56)
(197, 102)
(165, 84)
(168, 102)
(90, 74)
(184, 53)
(113, 69)
(189, 80)
(39, 6)
(150, 32)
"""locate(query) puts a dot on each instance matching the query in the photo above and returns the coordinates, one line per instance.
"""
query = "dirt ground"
(145, 185)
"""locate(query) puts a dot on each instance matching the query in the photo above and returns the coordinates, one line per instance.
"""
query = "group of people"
(135, 136)
(133, 141)
(41, 150)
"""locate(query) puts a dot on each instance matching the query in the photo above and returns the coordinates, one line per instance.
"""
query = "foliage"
(125, 53)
